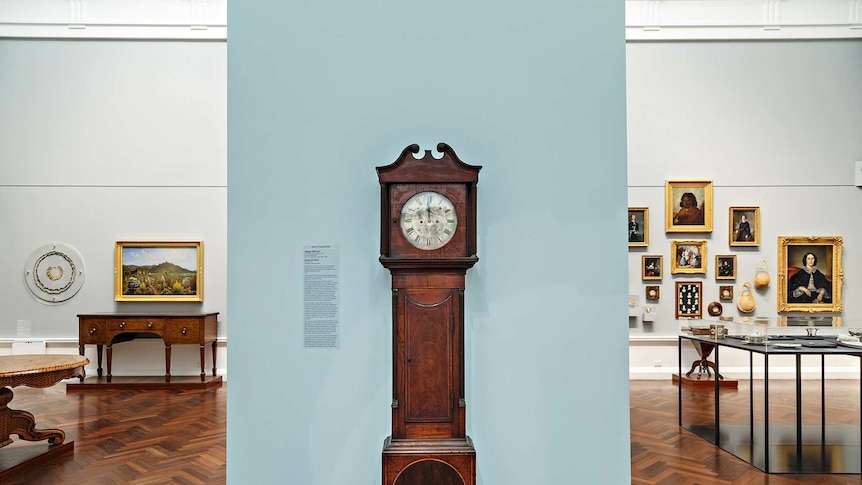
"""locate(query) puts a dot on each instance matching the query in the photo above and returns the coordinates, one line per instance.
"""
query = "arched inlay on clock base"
(429, 472)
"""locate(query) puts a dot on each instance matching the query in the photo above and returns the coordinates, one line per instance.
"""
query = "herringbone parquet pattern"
(665, 454)
(178, 437)
(130, 437)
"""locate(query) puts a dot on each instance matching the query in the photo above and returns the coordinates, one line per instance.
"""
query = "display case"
(763, 418)
(777, 334)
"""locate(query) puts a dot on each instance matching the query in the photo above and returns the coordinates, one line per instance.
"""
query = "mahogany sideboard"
(107, 329)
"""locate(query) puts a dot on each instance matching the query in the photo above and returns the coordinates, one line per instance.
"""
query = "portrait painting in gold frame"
(688, 206)
(810, 276)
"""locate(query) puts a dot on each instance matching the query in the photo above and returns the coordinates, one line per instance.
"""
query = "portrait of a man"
(638, 226)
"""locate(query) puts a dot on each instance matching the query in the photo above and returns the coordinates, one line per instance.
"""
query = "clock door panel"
(428, 344)
(429, 358)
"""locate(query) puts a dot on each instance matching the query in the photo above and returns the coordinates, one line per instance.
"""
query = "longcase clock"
(428, 242)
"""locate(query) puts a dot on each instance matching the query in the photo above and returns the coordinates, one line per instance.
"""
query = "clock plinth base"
(429, 461)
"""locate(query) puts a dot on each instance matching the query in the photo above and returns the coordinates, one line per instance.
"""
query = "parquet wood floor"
(178, 437)
(136, 437)
(665, 454)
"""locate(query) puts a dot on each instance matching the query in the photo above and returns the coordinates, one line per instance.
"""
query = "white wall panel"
(110, 113)
(744, 113)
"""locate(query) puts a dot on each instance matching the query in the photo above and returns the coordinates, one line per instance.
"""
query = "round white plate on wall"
(54, 273)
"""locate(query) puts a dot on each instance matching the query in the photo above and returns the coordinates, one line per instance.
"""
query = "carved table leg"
(23, 424)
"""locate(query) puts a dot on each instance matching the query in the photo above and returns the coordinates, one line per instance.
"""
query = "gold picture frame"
(744, 227)
(688, 206)
(652, 266)
(638, 226)
(688, 257)
(725, 266)
(158, 271)
(826, 277)
(689, 299)
(725, 292)
(653, 292)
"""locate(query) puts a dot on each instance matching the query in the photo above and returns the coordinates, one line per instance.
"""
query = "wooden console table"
(107, 329)
(31, 371)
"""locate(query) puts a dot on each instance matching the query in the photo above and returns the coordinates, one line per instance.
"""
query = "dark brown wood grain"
(179, 439)
(428, 400)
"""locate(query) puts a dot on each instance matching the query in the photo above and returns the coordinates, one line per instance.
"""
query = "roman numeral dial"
(428, 220)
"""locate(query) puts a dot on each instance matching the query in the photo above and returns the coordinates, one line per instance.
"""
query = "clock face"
(428, 220)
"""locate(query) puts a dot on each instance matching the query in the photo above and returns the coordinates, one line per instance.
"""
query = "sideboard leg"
(167, 363)
(203, 359)
(214, 358)
(99, 349)
(110, 356)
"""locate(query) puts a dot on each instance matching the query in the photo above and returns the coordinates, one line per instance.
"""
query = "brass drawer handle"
(92, 330)
(122, 324)
(185, 330)
(149, 324)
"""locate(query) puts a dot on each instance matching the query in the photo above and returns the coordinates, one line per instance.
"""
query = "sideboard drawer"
(135, 324)
(184, 331)
(91, 332)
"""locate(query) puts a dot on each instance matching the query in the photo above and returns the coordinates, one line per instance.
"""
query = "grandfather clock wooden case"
(428, 242)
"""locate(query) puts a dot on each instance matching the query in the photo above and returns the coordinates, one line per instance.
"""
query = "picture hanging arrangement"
(652, 267)
(688, 299)
(638, 226)
(809, 274)
(688, 257)
(744, 226)
(725, 293)
(688, 206)
(725, 267)
(158, 271)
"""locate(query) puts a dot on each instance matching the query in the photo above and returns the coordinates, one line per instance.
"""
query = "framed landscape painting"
(744, 226)
(158, 271)
(688, 206)
(810, 274)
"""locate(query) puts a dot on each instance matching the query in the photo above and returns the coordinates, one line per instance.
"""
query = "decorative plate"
(54, 273)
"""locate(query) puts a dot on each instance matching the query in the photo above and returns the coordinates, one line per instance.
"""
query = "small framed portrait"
(688, 257)
(159, 271)
(725, 267)
(638, 226)
(688, 299)
(810, 274)
(744, 226)
(652, 266)
(688, 206)
(725, 293)
(653, 292)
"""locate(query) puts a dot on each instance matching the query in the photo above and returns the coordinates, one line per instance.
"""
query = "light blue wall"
(319, 93)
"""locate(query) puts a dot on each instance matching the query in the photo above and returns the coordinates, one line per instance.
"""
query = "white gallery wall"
(773, 123)
(105, 140)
